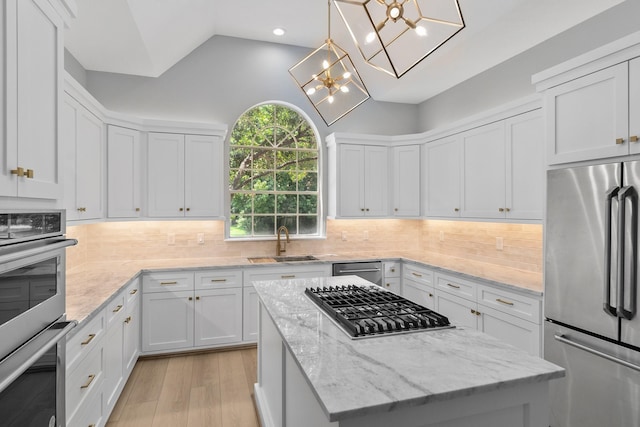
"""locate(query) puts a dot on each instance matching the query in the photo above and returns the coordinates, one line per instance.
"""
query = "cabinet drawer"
(391, 269)
(132, 292)
(418, 274)
(456, 286)
(115, 308)
(167, 282)
(392, 284)
(286, 273)
(522, 306)
(90, 413)
(85, 340)
(212, 279)
(83, 380)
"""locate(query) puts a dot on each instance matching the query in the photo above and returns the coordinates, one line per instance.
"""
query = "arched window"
(273, 173)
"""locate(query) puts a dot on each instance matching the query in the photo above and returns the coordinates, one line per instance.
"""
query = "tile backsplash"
(138, 240)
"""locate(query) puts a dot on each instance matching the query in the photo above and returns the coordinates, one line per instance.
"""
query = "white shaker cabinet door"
(406, 181)
(123, 172)
(376, 181)
(203, 170)
(350, 183)
(218, 316)
(250, 315)
(167, 322)
(484, 174)
(525, 166)
(442, 175)
(166, 175)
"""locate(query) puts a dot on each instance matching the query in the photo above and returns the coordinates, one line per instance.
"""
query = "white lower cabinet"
(207, 313)
(417, 285)
(250, 315)
(512, 317)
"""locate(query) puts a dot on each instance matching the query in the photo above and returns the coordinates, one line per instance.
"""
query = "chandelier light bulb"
(421, 31)
(346, 75)
(325, 64)
(344, 89)
(370, 37)
(394, 12)
(311, 91)
(330, 99)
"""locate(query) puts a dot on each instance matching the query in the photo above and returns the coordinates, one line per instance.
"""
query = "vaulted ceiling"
(147, 37)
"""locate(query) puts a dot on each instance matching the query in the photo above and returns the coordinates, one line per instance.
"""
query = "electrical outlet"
(171, 238)
(366, 235)
(344, 235)
(499, 243)
(442, 236)
(201, 238)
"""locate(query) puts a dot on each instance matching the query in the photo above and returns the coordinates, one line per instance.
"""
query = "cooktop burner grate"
(368, 311)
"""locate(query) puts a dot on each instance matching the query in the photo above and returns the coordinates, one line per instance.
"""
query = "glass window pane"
(264, 204)
(289, 222)
(308, 224)
(263, 160)
(307, 161)
(241, 203)
(263, 225)
(287, 203)
(308, 204)
(239, 157)
(263, 181)
(285, 181)
(240, 226)
(239, 180)
(308, 181)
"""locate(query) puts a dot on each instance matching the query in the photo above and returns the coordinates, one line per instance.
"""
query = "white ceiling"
(147, 37)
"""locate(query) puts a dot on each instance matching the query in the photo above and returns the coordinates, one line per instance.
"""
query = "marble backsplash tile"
(140, 240)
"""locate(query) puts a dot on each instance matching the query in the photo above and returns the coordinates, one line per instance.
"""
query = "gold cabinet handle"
(88, 340)
(500, 209)
(633, 138)
(504, 301)
(288, 276)
(137, 209)
(133, 292)
(118, 308)
(619, 141)
(507, 209)
(168, 283)
(88, 383)
(18, 171)
(416, 274)
(127, 320)
(477, 313)
(82, 209)
(30, 173)
(451, 285)
(218, 280)
(456, 209)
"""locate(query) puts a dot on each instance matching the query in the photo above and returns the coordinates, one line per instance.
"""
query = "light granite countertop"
(359, 377)
(90, 286)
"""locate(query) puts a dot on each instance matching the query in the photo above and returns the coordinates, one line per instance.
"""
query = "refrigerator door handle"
(565, 340)
(624, 194)
(608, 308)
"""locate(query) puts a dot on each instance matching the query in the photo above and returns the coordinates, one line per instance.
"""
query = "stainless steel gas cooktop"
(370, 311)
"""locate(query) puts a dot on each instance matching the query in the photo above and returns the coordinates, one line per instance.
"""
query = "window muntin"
(273, 173)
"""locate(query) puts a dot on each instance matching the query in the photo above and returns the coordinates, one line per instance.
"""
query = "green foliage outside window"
(273, 173)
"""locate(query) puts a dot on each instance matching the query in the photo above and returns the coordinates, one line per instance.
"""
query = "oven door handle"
(16, 363)
(30, 250)
(361, 270)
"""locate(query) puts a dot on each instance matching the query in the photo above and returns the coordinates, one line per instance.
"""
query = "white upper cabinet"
(406, 181)
(442, 171)
(32, 80)
(484, 180)
(525, 166)
(123, 173)
(358, 180)
(185, 175)
(588, 118)
(82, 143)
(592, 103)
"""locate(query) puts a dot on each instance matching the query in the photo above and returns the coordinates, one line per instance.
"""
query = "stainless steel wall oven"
(32, 318)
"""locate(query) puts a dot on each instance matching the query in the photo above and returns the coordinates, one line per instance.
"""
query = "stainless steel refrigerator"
(591, 280)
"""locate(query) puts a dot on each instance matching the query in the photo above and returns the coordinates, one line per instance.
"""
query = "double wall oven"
(32, 318)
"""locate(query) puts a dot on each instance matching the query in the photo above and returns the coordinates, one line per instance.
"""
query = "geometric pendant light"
(329, 79)
(395, 35)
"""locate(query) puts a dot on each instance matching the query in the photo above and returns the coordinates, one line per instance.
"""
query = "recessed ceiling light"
(278, 31)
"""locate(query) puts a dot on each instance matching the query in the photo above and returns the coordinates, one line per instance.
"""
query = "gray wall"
(512, 79)
(74, 68)
(224, 77)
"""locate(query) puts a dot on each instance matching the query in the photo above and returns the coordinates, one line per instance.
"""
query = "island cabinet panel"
(250, 314)
(270, 387)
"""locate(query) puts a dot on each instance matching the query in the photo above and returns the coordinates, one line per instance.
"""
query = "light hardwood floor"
(211, 389)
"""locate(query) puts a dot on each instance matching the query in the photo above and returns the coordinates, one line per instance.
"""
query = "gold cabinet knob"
(633, 138)
(30, 173)
(188, 209)
(18, 171)
(507, 209)
(619, 141)
(456, 209)
(137, 209)
(181, 209)
(500, 209)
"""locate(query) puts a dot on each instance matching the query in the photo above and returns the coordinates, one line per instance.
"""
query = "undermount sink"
(289, 258)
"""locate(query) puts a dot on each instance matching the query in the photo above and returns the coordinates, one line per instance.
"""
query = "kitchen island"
(310, 373)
